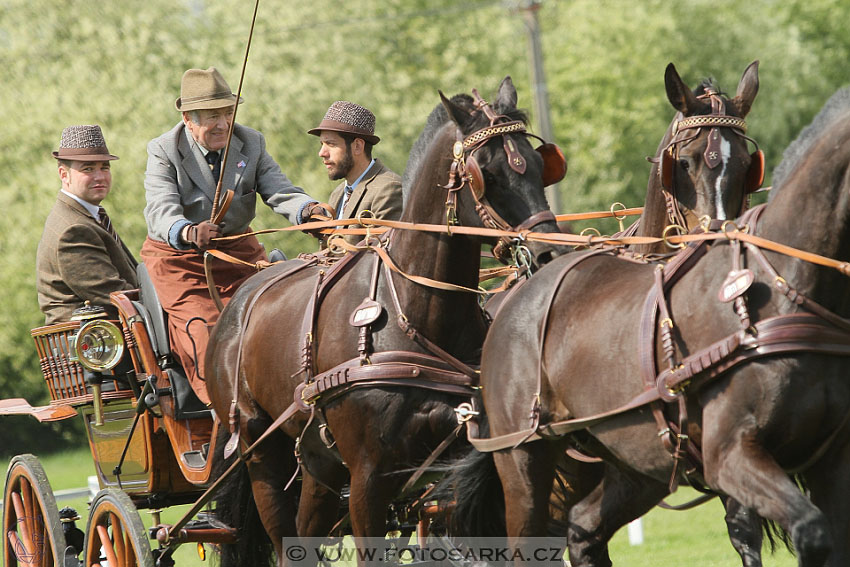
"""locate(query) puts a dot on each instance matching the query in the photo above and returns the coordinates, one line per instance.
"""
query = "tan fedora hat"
(349, 118)
(203, 90)
(83, 143)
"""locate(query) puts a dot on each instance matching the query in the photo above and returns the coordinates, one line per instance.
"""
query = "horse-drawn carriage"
(149, 435)
(153, 443)
(298, 389)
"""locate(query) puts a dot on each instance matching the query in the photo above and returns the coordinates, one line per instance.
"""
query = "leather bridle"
(686, 130)
(465, 171)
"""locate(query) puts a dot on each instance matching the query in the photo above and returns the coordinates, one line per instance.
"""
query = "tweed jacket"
(379, 191)
(78, 260)
(179, 185)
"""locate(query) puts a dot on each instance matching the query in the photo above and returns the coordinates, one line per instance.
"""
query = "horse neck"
(654, 218)
(811, 212)
(446, 317)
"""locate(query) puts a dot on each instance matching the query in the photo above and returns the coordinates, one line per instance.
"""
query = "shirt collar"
(362, 175)
(92, 209)
(192, 140)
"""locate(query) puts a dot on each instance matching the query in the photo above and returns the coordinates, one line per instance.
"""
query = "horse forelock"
(837, 105)
(434, 124)
(709, 85)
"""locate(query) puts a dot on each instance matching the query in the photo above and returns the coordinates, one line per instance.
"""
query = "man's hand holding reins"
(200, 235)
(317, 212)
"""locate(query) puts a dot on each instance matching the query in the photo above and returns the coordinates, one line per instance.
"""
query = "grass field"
(671, 539)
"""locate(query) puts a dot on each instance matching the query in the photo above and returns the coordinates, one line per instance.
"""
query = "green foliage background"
(118, 64)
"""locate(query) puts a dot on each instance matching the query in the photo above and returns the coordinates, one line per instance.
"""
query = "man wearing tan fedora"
(80, 256)
(346, 136)
(183, 169)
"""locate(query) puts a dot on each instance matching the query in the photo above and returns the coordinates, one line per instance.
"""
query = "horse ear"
(456, 113)
(678, 93)
(748, 88)
(506, 97)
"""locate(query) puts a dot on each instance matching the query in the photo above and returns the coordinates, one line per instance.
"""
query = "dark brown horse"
(688, 188)
(685, 182)
(767, 395)
(257, 349)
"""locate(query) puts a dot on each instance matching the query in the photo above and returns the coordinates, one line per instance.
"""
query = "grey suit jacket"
(379, 191)
(179, 185)
(78, 260)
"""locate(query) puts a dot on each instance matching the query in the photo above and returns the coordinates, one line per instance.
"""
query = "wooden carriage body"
(165, 453)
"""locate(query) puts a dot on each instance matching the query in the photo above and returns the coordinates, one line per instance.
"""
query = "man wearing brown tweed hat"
(184, 166)
(346, 136)
(80, 256)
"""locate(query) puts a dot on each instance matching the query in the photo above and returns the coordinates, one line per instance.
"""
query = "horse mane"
(837, 105)
(709, 84)
(436, 120)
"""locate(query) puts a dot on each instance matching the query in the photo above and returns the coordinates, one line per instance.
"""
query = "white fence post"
(636, 532)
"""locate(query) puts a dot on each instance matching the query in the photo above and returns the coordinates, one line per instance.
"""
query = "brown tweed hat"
(349, 118)
(83, 143)
(204, 90)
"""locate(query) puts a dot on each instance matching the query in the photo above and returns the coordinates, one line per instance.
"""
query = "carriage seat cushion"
(186, 403)
(158, 327)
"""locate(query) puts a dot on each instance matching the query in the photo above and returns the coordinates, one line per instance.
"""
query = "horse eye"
(683, 163)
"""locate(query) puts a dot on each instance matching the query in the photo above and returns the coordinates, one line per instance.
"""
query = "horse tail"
(474, 484)
(773, 532)
(775, 535)
(235, 507)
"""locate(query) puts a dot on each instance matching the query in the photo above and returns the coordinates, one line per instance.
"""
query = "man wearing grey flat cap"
(183, 170)
(346, 137)
(80, 256)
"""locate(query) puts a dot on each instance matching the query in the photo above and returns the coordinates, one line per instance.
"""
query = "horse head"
(493, 176)
(704, 164)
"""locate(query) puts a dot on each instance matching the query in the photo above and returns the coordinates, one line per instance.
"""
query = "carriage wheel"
(32, 533)
(115, 534)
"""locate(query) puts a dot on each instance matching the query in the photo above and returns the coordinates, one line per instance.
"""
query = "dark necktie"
(345, 196)
(107, 224)
(215, 164)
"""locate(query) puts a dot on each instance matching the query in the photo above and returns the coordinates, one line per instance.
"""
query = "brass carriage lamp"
(98, 346)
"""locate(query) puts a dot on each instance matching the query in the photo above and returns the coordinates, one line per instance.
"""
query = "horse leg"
(620, 498)
(270, 467)
(323, 476)
(370, 497)
(527, 474)
(745, 531)
(827, 484)
(747, 473)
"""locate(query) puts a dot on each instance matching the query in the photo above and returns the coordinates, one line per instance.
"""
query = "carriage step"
(195, 459)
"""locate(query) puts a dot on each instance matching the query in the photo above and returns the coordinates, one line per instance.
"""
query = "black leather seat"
(186, 403)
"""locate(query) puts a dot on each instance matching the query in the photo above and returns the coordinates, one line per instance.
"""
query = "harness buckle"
(451, 218)
(620, 218)
(680, 229)
(465, 412)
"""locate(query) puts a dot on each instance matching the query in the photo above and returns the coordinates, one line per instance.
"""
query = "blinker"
(554, 163)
